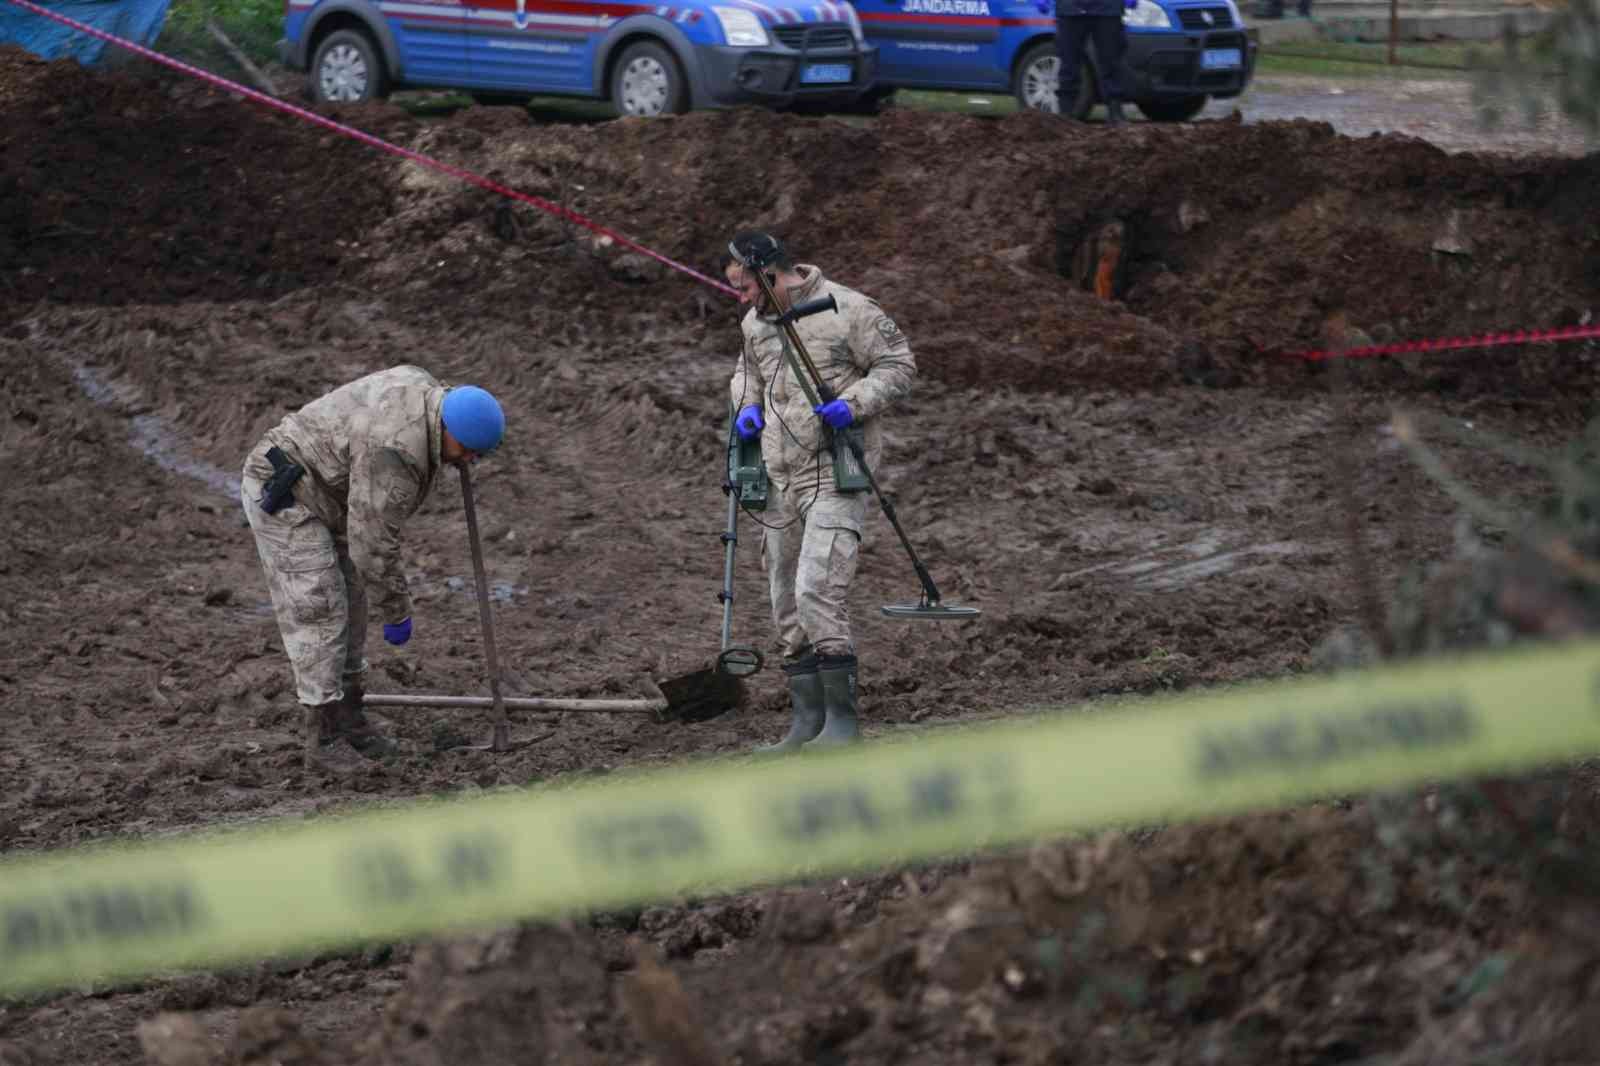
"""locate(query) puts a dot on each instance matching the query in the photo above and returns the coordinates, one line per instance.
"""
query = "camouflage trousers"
(811, 559)
(317, 593)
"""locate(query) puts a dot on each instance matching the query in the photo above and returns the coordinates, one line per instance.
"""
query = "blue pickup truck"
(1180, 52)
(644, 58)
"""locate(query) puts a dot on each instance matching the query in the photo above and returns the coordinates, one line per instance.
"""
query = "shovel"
(687, 702)
(502, 730)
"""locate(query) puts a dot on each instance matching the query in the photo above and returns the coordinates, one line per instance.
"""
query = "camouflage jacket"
(859, 352)
(371, 450)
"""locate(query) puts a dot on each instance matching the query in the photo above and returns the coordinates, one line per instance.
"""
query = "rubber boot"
(840, 727)
(806, 707)
(1114, 116)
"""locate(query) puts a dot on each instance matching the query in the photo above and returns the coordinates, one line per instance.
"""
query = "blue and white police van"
(645, 58)
(1180, 52)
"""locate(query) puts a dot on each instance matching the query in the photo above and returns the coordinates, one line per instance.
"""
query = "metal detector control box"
(747, 472)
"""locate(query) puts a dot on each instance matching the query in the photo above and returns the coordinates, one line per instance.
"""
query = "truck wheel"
(646, 82)
(347, 69)
(1038, 75)
(1181, 109)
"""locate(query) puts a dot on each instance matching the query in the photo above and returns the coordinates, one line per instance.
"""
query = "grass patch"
(965, 103)
(1365, 59)
(426, 104)
(1453, 55)
(1269, 64)
(570, 109)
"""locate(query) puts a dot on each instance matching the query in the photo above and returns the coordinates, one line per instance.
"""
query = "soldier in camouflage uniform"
(812, 531)
(329, 535)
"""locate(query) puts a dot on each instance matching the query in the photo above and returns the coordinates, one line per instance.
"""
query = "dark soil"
(1141, 493)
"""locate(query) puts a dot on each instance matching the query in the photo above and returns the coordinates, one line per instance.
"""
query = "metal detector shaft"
(818, 392)
(502, 729)
(518, 703)
(729, 539)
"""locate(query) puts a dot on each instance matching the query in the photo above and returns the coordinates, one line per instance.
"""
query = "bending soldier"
(326, 492)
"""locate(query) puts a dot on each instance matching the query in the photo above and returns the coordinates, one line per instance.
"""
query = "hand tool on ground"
(502, 730)
(930, 607)
(684, 703)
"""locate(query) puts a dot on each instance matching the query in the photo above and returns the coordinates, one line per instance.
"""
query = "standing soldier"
(1079, 22)
(813, 533)
(326, 492)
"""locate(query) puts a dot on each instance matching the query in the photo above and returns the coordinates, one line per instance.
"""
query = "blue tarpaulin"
(139, 21)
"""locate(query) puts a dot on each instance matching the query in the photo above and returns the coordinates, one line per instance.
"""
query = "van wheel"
(646, 82)
(347, 70)
(1038, 77)
(1181, 109)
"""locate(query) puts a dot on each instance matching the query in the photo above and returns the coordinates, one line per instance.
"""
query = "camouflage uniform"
(811, 558)
(370, 450)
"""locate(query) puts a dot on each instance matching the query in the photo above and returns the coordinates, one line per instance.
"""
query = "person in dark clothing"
(1077, 23)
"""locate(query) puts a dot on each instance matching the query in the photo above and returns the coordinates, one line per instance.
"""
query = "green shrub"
(253, 25)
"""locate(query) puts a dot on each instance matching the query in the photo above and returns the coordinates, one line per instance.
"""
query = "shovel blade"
(701, 695)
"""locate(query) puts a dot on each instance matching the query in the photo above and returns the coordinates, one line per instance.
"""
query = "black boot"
(347, 720)
(806, 707)
(838, 673)
(1114, 113)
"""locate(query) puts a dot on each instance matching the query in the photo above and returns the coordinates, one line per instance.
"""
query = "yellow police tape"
(94, 915)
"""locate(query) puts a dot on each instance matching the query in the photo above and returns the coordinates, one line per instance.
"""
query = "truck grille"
(816, 36)
(1194, 18)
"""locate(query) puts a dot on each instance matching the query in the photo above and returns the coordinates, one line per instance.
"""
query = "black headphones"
(764, 250)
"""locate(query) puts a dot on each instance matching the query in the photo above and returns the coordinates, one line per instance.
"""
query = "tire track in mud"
(151, 435)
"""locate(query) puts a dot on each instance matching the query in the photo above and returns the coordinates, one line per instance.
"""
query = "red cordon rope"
(376, 142)
(1444, 344)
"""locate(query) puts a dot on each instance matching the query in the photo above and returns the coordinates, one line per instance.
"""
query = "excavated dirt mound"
(1139, 492)
(1235, 238)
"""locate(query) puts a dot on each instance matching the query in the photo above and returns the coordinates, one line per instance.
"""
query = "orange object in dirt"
(1110, 249)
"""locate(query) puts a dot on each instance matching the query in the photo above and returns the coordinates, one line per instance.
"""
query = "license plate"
(1221, 58)
(825, 73)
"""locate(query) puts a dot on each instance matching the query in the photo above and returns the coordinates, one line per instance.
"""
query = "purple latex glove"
(397, 632)
(749, 422)
(836, 413)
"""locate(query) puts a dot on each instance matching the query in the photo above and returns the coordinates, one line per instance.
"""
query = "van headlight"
(741, 28)
(1149, 15)
(855, 25)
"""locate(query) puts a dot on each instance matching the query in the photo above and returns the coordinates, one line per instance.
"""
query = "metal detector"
(746, 485)
(705, 693)
(929, 608)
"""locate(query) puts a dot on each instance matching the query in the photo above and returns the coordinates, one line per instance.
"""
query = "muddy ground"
(1143, 494)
